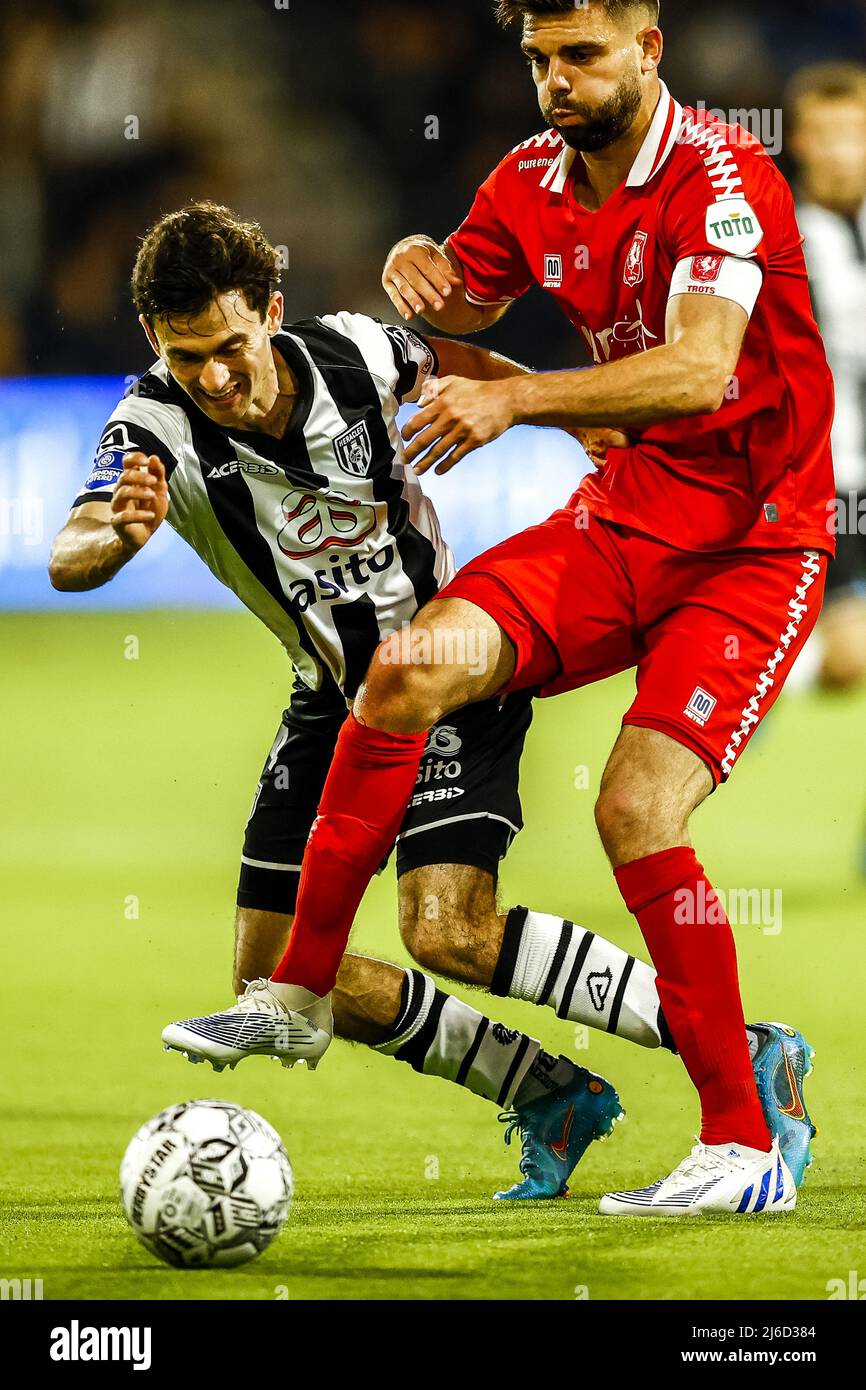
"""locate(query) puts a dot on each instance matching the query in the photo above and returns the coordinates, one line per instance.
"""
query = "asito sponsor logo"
(330, 585)
(444, 740)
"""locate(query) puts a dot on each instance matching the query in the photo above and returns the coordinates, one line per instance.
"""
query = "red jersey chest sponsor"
(612, 286)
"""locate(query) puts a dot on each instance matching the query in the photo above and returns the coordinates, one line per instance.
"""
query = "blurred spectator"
(340, 127)
(827, 124)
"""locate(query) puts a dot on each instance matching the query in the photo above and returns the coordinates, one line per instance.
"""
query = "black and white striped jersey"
(835, 249)
(325, 533)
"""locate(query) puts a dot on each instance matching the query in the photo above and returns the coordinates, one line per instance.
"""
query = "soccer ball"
(206, 1183)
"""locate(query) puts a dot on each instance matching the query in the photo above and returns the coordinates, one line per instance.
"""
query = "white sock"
(550, 960)
(441, 1036)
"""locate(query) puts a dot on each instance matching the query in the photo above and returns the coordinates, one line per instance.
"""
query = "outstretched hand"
(456, 416)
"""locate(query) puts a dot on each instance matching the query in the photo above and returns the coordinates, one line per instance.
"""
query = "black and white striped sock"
(586, 979)
(441, 1036)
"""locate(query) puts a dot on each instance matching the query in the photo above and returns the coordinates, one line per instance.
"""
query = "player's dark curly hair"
(510, 11)
(189, 257)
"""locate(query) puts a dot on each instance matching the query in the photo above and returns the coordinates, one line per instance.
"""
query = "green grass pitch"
(132, 778)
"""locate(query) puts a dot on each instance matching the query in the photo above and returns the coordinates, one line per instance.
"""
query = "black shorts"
(465, 809)
(846, 575)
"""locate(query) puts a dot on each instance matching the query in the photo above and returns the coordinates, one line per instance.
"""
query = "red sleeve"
(494, 266)
(747, 220)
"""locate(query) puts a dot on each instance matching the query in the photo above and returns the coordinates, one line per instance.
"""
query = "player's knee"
(429, 943)
(397, 695)
(630, 818)
(423, 938)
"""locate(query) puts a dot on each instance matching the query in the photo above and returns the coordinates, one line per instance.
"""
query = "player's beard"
(604, 124)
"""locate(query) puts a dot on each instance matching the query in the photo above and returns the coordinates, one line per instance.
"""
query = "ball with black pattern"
(206, 1183)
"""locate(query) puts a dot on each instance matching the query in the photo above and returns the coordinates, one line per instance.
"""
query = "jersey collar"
(652, 155)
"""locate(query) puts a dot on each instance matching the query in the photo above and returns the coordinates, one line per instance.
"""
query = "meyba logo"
(733, 226)
(552, 272)
(700, 706)
(354, 450)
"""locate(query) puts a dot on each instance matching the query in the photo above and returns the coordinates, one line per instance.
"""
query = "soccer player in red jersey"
(697, 554)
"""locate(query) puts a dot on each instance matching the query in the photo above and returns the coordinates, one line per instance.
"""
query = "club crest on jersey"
(633, 273)
(315, 523)
(552, 272)
(354, 450)
(706, 269)
(700, 706)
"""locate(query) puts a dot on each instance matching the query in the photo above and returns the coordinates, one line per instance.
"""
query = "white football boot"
(717, 1178)
(269, 1020)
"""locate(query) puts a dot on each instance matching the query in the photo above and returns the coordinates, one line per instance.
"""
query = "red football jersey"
(704, 210)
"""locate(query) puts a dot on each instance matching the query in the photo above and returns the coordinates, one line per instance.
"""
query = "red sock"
(368, 787)
(692, 948)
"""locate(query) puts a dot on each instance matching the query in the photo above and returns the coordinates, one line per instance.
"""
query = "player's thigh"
(450, 655)
(716, 662)
(562, 594)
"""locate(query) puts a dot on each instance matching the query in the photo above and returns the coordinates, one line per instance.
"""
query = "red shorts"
(713, 636)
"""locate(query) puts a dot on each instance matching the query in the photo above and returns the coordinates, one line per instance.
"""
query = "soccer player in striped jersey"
(697, 555)
(272, 449)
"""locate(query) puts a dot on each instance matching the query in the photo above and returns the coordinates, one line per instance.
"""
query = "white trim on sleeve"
(725, 277)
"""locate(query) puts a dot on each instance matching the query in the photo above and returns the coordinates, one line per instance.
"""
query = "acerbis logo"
(598, 985)
(116, 436)
(242, 465)
(315, 523)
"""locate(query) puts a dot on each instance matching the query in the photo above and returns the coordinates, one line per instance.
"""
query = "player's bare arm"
(474, 363)
(687, 375)
(458, 359)
(99, 538)
(422, 277)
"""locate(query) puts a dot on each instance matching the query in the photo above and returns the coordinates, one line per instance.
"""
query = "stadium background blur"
(128, 780)
(318, 130)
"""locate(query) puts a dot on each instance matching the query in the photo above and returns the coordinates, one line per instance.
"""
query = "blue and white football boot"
(556, 1131)
(714, 1178)
(262, 1023)
(781, 1064)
